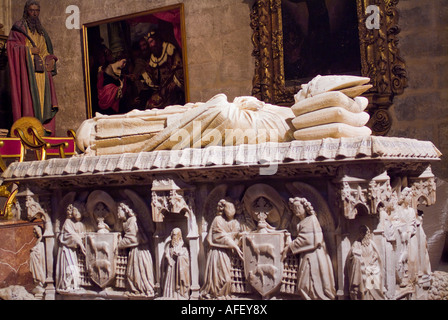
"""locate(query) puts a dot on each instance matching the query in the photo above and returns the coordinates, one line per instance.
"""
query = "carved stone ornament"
(122, 227)
(262, 250)
(379, 53)
(101, 254)
(359, 191)
(263, 264)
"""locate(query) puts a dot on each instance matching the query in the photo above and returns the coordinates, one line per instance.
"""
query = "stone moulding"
(295, 152)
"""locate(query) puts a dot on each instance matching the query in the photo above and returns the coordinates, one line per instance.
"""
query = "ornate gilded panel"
(379, 57)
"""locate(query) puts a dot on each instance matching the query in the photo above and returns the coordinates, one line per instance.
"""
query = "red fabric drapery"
(171, 16)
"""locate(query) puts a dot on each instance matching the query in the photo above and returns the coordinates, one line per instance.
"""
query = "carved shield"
(101, 253)
(263, 267)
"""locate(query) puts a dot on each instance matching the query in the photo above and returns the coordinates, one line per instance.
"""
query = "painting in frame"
(290, 48)
(136, 62)
(320, 37)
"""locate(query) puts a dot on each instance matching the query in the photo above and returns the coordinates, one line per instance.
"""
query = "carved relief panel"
(249, 240)
(261, 238)
(104, 242)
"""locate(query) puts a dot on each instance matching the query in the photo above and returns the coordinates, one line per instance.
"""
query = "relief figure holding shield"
(315, 274)
(139, 272)
(222, 239)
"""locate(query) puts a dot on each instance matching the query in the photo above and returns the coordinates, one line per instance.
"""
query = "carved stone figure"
(246, 120)
(32, 64)
(37, 261)
(176, 277)
(222, 239)
(365, 268)
(140, 273)
(404, 222)
(423, 268)
(315, 273)
(70, 240)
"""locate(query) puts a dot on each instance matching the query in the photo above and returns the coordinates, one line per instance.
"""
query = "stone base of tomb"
(16, 241)
(350, 183)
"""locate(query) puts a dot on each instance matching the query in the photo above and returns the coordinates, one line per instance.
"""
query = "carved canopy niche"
(378, 54)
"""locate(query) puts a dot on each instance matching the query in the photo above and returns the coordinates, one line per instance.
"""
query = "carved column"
(171, 196)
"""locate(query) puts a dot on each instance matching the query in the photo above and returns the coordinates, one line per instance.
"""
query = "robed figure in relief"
(70, 240)
(222, 238)
(364, 265)
(315, 272)
(176, 280)
(37, 260)
(140, 274)
(32, 67)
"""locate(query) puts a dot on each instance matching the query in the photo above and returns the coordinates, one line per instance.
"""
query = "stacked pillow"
(331, 107)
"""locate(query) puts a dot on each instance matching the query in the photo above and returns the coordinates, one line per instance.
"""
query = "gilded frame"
(380, 58)
(90, 69)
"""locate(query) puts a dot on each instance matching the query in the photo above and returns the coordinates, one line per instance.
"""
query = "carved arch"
(97, 197)
(279, 216)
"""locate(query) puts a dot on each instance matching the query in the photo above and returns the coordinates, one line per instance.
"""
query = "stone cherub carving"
(315, 272)
(140, 273)
(70, 239)
(365, 268)
(176, 270)
(222, 239)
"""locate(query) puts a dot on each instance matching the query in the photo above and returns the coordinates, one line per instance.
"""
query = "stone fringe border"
(261, 154)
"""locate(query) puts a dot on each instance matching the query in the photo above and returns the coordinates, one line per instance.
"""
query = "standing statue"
(176, 278)
(365, 268)
(37, 261)
(405, 222)
(32, 67)
(423, 264)
(70, 239)
(140, 274)
(222, 238)
(315, 272)
(419, 265)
